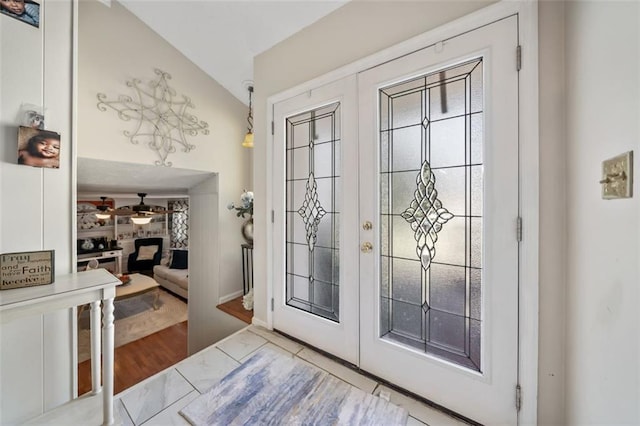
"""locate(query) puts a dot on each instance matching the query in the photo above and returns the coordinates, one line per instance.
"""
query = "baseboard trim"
(259, 323)
(228, 297)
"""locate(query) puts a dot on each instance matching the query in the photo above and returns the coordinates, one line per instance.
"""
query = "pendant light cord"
(250, 116)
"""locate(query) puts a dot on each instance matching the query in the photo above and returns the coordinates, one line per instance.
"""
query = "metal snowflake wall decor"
(162, 118)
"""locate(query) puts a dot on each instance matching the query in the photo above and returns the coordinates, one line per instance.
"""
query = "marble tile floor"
(158, 399)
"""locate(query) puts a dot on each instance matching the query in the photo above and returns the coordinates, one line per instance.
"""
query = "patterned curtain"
(179, 224)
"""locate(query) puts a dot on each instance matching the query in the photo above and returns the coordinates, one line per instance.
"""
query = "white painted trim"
(228, 297)
(270, 226)
(74, 184)
(260, 323)
(529, 210)
(529, 181)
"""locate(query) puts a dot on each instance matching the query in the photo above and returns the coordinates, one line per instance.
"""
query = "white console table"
(93, 287)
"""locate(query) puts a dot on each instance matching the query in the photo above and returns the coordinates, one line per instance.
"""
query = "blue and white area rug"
(272, 388)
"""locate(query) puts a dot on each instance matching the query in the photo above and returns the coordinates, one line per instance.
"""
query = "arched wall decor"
(162, 117)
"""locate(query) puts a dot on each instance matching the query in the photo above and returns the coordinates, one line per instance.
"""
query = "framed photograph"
(38, 148)
(27, 11)
(33, 119)
(26, 269)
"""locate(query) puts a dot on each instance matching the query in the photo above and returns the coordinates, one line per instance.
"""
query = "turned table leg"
(94, 319)
(107, 362)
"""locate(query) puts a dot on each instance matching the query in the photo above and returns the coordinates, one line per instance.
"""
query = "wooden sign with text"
(26, 269)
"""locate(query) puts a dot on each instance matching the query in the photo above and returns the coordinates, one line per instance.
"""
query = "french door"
(315, 240)
(396, 249)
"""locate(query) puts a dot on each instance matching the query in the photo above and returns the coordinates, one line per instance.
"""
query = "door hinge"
(272, 304)
(273, 216)
(518, 58)
(518, 397)
(273, 128)
(519, 229)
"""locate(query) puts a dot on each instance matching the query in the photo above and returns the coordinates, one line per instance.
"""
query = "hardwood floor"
(234, 307)
(142, 358)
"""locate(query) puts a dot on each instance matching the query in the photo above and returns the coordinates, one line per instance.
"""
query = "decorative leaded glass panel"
(312, 204)
(431, 184)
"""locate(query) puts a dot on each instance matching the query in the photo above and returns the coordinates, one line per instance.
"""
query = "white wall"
(603, 112)
(115, 47)
(36, 365)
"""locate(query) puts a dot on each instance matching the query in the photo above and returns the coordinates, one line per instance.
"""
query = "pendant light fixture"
(103, 210)
(248, 138)
(140, 219)
(103, 216)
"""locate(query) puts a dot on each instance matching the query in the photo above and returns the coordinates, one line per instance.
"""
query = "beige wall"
(356, 30)
(602, 115)
(115, 47)
(36, 365)
(553, 217)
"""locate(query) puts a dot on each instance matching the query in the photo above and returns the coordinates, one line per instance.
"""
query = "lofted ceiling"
(222, 37)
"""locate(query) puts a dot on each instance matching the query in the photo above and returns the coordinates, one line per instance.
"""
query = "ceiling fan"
(140, 214)
(140, 210)
(103, 209)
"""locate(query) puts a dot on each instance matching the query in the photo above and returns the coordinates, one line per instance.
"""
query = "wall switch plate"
(617, 177)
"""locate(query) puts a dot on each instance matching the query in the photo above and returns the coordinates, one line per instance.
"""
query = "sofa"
(173, 273)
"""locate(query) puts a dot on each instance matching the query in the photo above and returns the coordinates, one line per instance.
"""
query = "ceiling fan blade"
(122, 212)
(154, 212)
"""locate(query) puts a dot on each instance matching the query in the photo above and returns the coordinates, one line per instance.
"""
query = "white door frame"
(527, 12)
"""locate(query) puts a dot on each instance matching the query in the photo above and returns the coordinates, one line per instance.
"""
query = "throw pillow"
(180, 259)
(146, 252)
(166, 258)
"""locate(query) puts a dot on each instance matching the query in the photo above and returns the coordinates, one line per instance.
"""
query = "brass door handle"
(367, 226)
(366, 247)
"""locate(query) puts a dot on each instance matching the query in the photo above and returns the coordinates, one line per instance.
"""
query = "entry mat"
(273, 388)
